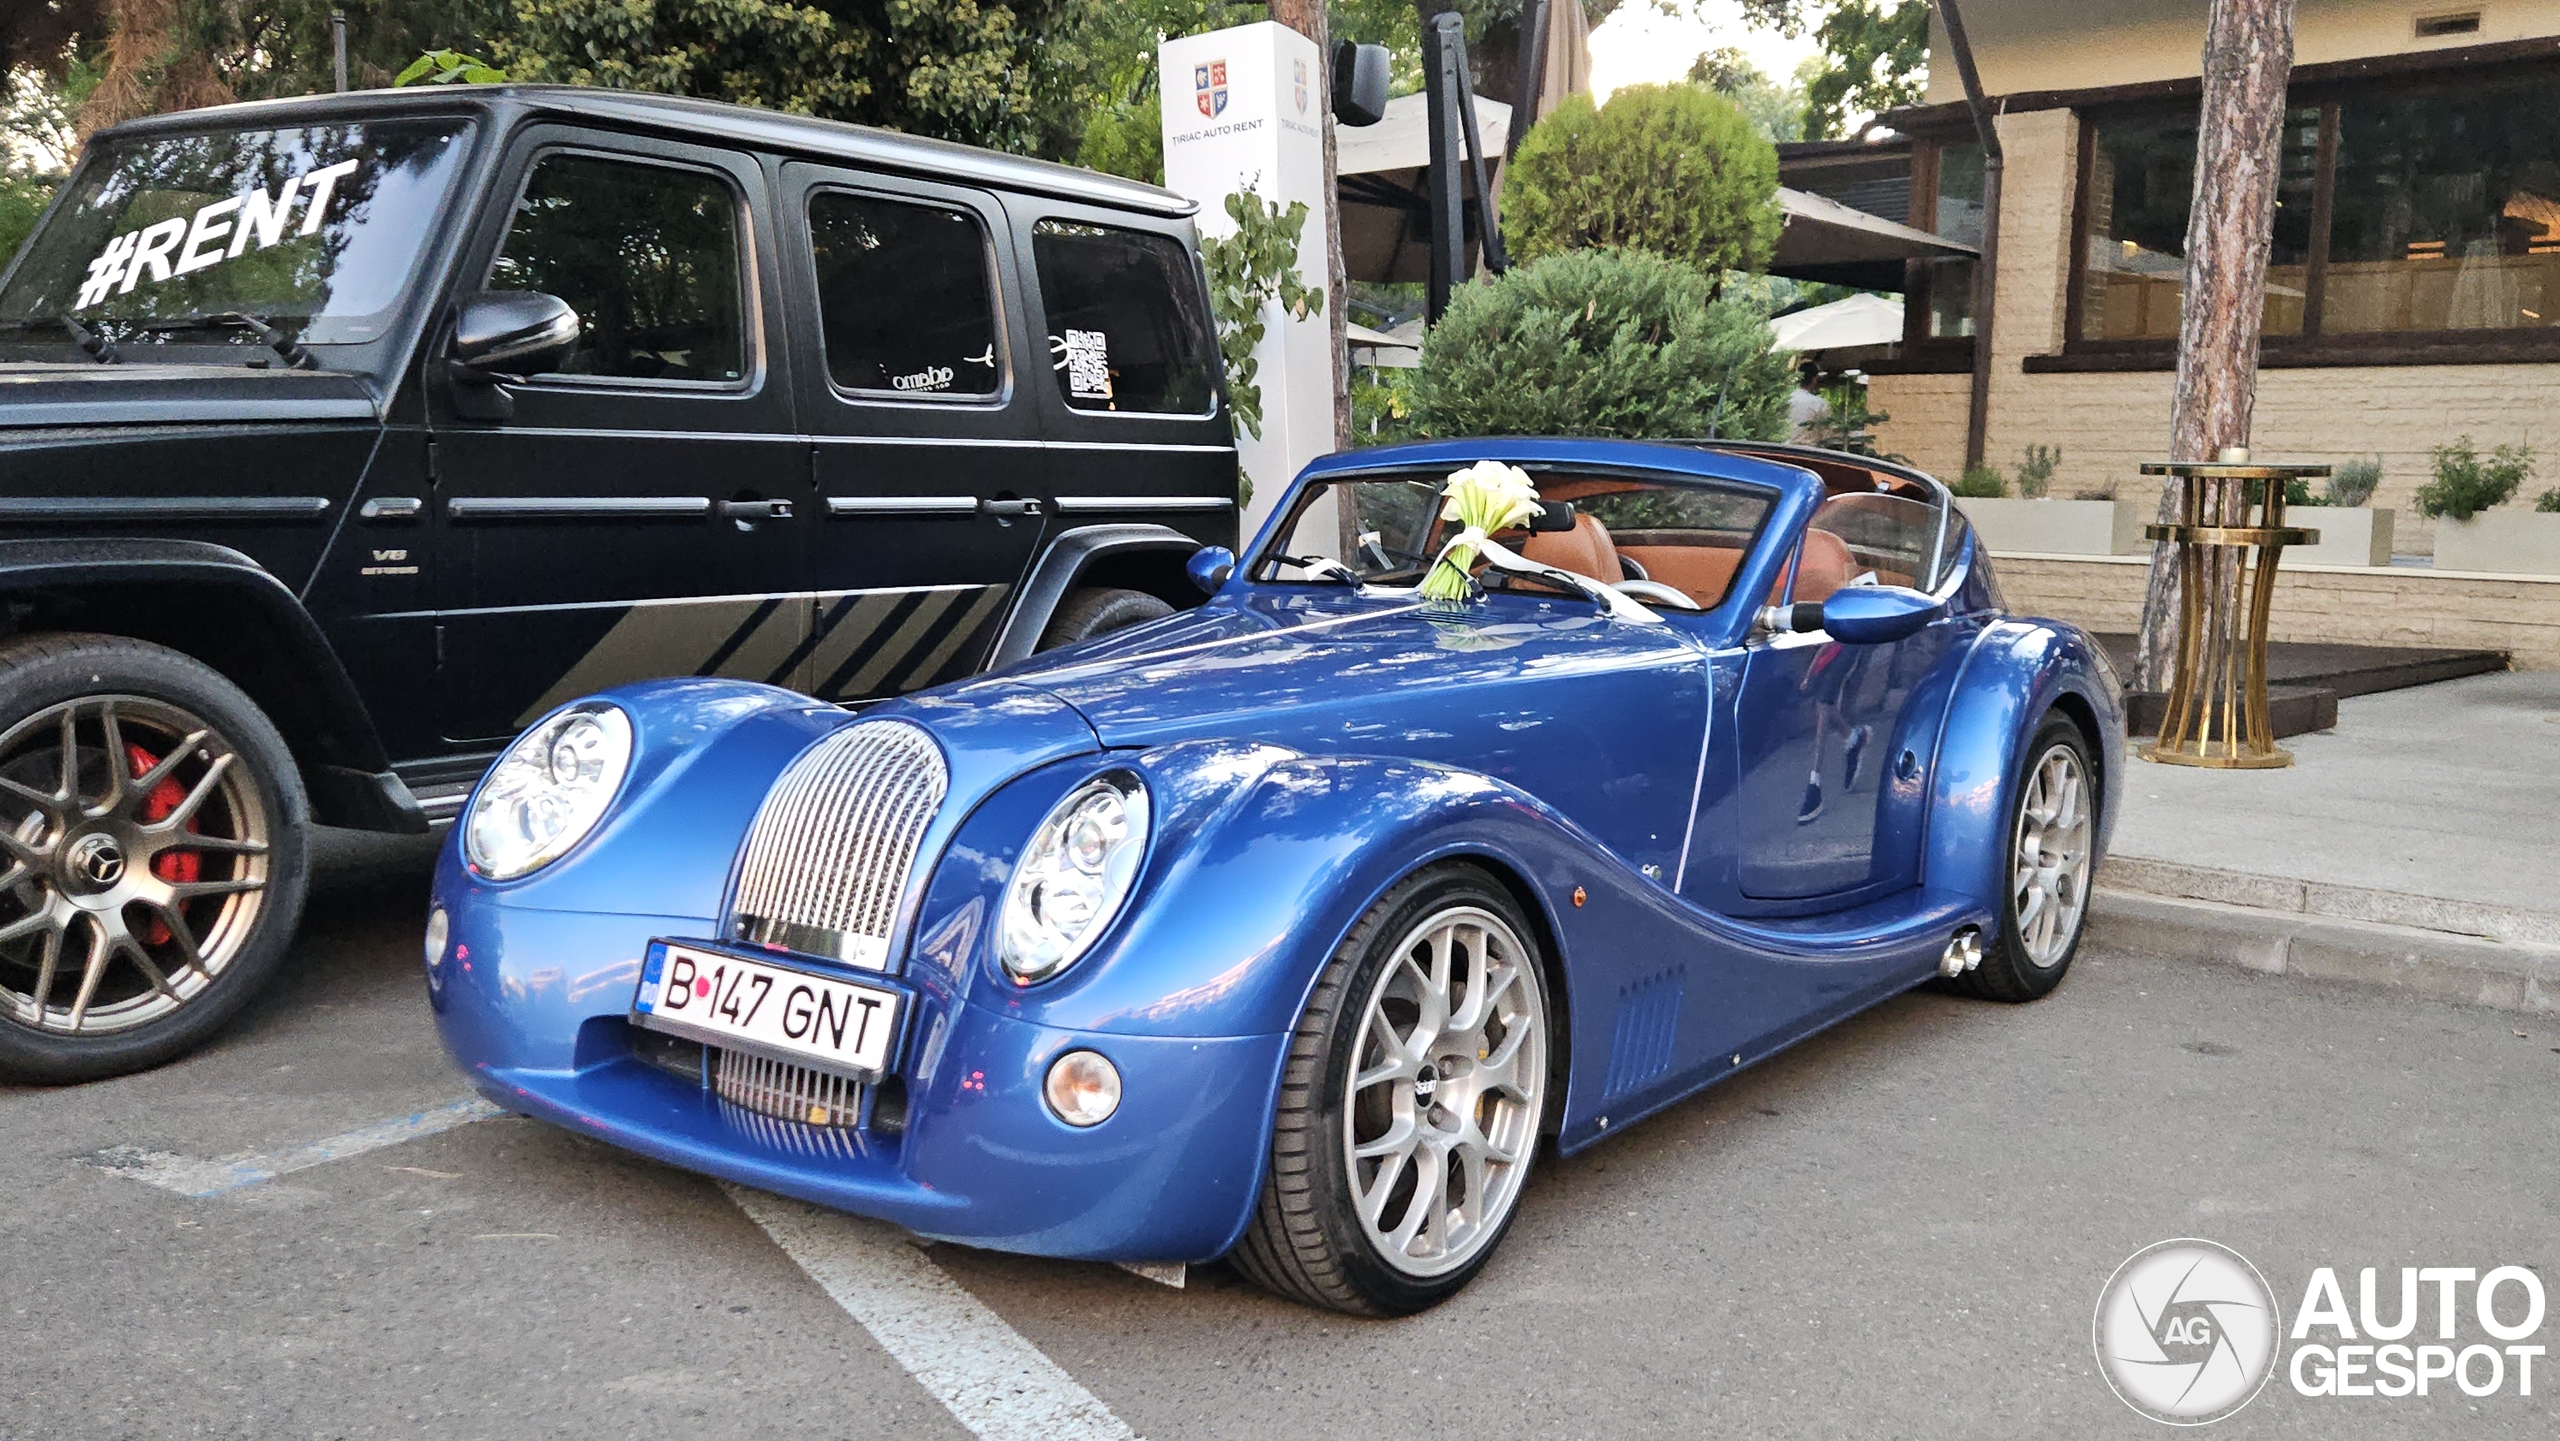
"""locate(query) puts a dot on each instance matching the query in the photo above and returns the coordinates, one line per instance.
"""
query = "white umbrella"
(1860, 320)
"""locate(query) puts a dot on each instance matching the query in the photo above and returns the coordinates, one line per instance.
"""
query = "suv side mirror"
(1875, 614)
(512, 332)
(1359, 84)
(1210, 566)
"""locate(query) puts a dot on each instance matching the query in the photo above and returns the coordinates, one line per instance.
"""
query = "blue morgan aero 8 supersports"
(1289, 928)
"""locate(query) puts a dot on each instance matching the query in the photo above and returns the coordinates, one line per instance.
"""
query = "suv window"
(1128, 326)
(906, 296)
(648, 257)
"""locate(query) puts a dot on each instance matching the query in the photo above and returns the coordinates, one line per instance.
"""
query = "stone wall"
(2337, 604)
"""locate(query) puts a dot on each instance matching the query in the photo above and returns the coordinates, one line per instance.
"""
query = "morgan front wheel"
(151, 855)
(1410, 1106)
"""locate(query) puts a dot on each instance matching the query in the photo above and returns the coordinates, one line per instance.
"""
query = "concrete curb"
(2438, 965)
(2179, 881)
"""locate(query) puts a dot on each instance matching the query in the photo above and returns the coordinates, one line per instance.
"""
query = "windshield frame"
(1262, 567)
(478, 130)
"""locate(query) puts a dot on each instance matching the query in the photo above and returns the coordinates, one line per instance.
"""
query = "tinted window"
(314, 229)
(1128, 325)
(906, 293)
(648, 257)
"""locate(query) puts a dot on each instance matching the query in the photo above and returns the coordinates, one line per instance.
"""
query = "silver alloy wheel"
(2049, 856)
(133, 864)
(1448, 1084)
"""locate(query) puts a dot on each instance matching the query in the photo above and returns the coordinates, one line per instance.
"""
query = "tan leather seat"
(1701, 572)
(1827, 566)
(1585, 550)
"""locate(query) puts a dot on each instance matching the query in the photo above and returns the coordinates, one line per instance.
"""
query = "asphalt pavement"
(1899, 1228)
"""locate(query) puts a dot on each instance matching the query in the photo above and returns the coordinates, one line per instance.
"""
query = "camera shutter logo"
(2187, 1332)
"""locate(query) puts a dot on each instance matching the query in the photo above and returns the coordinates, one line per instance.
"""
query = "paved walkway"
(2415, 846)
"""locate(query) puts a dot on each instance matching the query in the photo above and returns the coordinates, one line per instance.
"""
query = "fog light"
(439, 925)
(1084, 1089)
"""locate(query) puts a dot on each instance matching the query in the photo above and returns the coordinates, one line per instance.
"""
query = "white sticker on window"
(1088, 365)
(217, 232)
(932, 377)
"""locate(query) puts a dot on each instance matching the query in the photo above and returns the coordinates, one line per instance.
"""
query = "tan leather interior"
(1827, 567)
(1701, 572)
(1585, 550)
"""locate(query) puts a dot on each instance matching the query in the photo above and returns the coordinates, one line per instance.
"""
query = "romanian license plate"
(757, 1005)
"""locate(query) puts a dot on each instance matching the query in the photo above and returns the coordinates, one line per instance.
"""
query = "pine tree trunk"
(1309, 18)
(2248, 57)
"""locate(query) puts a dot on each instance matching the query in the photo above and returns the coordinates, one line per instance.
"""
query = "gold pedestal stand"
(2217, 708)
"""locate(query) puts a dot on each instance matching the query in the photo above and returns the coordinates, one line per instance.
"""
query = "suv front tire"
(1098, 610)
(153, 863)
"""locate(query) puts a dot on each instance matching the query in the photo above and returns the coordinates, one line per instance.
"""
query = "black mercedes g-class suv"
(342, 437)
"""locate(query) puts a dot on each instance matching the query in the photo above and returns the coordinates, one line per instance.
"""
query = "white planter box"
(2057, 527)
(2510, 542)
(2349, 535)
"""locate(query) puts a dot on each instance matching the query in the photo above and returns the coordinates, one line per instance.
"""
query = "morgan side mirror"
(1875, 614)
(1210, 566)
(512, 332)
(1359, 83)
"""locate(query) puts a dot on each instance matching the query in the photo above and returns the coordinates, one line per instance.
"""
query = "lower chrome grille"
(784, 1091)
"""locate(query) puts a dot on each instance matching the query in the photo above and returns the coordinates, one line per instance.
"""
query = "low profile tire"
(152, 855)
(1410, 1105)
(1098, 610)
(2052, 836)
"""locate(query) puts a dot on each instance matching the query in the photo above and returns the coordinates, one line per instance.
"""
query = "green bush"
(2466, 485)
(2354, 481)
(1601, 342)
(2035, 470)
(2549, 504)
(2297, 491)
(1981, 482)
(1849, 425)
(1674, 169)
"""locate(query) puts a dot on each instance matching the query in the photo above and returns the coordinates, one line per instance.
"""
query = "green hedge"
(1674, 169)
(1601, 342)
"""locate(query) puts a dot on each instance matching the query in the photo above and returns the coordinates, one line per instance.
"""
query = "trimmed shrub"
(2353, 481)
(2466, 485)
(1982, 482)
(1601, 342)
(1674, 169)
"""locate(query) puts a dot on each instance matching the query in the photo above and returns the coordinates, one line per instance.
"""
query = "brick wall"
(2381, 606)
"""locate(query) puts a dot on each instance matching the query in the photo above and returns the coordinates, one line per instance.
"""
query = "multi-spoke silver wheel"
(133, 864)
(2049, 856)
(1448, 1078)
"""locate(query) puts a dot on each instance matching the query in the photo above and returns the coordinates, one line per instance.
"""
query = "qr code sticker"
(1088, 365)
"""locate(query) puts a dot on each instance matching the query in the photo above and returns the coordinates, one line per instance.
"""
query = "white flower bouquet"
(1485, 497)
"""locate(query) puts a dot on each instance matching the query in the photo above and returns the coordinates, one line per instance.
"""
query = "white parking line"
(190, 1177)
(996, 1383)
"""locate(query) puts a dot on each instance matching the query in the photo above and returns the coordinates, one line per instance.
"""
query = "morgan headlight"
(1073, 877)
(547, 791)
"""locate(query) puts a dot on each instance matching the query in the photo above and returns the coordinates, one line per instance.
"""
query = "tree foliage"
(1875, 55)
(1675, 169)
(1247, 270)
(1777, 109)
(1601, 342)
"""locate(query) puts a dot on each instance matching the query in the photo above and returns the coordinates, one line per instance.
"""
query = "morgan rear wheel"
(152, 833)
(2051, 859)
(1410, 1106)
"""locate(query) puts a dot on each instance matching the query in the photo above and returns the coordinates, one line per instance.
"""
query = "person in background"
(1806, 408)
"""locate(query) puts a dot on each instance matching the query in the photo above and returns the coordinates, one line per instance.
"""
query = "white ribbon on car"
(1499, 557)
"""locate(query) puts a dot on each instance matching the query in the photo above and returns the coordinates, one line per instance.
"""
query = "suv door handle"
(1009, 507)
(755, 510)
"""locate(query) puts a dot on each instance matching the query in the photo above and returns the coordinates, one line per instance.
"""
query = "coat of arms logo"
(1299, 72)
(1210, 81)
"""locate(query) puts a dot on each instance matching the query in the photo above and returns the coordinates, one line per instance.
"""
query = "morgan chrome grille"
(784, 1091)
(829, 857)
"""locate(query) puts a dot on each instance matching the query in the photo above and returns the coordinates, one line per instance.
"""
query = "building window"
(2402, 209)
(2141, 185)
(1955, 212)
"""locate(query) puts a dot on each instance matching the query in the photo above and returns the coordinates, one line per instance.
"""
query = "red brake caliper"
(177, 867)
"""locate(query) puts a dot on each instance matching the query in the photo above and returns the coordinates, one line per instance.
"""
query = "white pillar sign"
(1242, 111)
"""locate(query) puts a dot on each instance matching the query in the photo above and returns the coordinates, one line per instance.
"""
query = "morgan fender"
(2429, 1336)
